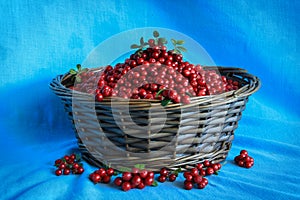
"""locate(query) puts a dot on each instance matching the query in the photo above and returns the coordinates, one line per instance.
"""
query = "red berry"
(126, 176)
(202, 172)
(149, 180)
(201, 185)
(101, 172)
(215, 167)
(206, 163)
(126, 186)
(106, 179)
(194, 172)
(110, 171)
(172, 177)
(95, 178)
(57, 162)
(204, 180)
(162, 178)
(79, 170)
(199, 166)
(150, 174)
(143, 173)
(62, 166)
(136, 180)
(209, 171)
(164, 172)
(141, 185)
(118, 181)
(188, 185)
(67, 171)
(58, 172)
(197, 179)
(75, 165)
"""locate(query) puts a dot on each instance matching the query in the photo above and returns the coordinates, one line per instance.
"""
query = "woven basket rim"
(248, 89)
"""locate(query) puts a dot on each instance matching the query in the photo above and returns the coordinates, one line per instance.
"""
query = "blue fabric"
(40, 39)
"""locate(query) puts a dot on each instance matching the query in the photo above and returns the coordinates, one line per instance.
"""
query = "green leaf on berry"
(165, 102)
(155, 34)
(139, 166)
(159, 92)
(216, 172)
(177, 171)
(154, 184)
(77, 157)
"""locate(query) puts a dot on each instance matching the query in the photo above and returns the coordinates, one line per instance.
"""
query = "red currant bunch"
(138, 178)
(244, 160)
(102, 175)
(195, 175)
(69, 164)
(165, 174)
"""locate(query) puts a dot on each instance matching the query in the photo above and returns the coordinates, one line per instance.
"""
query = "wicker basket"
(190, 133)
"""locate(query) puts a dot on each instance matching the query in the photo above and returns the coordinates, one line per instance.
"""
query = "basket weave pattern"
(191, 133)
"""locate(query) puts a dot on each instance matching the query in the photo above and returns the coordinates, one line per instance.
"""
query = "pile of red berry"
(102, 175)
(69, 164)
(195, 175)
(138, 178)
(244, 160)
(165, 174)
(154, 73)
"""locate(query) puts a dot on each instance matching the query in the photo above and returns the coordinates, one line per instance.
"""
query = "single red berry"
(248, 164)
(143, 173)
(101, 172)
(126, 186)
(79, 170)
(172, 177)
(67, 171)
(215, 167)
(241, 163)
(206, 163)
(141, 185)
(126, 176)
(75, 165)
(118, 181)
(243, 152)
(188, 185)
(136, 180)
(209, 171)
(62, 166)
(162, 178)
(57, 162)
(73, 156)
(194, 172)
(204, 180)
(66, 157)
(199, 166)
(201, 185)
(58, 172)
(110, 171)
(106, 179)
(188, 176)
(197, 179)
(150, 174)
(95, 178)
(202, 172)
(164, 172)
(149, 180)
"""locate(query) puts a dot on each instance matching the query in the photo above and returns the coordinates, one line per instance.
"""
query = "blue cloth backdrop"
(41, 39)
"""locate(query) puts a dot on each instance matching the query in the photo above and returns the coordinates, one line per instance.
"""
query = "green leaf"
(159, 92)
(142, 41)
(174, 42)
(180, 42)
(154, 184)
(165, 102)
(72, 71)
(139, 166)
(78, 79)
(78, 66)
(124, 169)
(177, 171)
(182, 49)
(216, 172)
(134, 46)
(155, 34)
(162, 40)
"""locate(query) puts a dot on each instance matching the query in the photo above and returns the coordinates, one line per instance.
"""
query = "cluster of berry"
(244, 160)
(68, 164)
